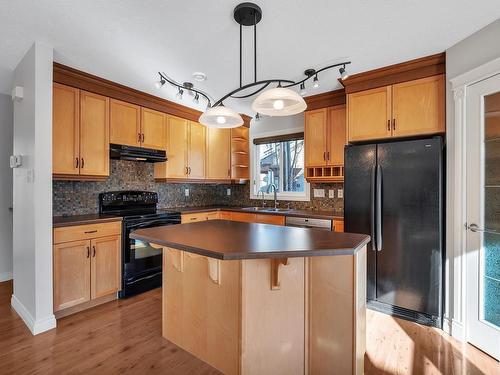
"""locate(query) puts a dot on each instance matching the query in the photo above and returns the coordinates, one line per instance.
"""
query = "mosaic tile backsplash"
(81, 197)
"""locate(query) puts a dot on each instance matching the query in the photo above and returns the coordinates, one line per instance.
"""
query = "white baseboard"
(458, 330)
(447, 326)
(35, 326)
(5, 276)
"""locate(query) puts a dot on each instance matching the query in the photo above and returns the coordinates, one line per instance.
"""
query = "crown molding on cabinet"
(407, 71)
(76, 78)
(327, 99)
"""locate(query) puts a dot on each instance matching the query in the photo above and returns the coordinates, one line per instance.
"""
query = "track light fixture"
(159, 84)
(303, 90)
(316, 82)
(343, 73)
(278, 101)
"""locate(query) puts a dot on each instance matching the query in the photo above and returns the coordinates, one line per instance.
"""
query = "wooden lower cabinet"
(71, 274)
(199, 216)
(255, 218)
(86, 271)
(338, 225)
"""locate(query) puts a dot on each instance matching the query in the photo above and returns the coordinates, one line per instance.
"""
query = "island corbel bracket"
(275, 272)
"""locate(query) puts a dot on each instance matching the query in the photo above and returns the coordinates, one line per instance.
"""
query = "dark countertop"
(312, 214)
(67, 221)
(230, 240)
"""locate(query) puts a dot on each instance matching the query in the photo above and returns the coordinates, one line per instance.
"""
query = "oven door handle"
(148, 224)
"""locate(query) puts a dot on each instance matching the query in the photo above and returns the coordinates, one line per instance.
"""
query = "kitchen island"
(264, 299)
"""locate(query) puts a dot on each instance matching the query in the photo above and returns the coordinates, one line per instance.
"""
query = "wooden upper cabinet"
(153, 129)
(369, 114)
(94, 134)
(419, 107)
(124, 123)
(336, 135)
(177, 151)
(65, 130)
(105, 266)
(218, 153)
(315, 137)
(71, 274)
(197, 150)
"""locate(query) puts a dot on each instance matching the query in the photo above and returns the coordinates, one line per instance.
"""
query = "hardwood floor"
(124, 337)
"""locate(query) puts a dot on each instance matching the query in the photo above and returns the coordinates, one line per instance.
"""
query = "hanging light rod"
(278, 101)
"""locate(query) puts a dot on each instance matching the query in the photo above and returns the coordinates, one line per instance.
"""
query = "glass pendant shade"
(279, 101)
(221, 117)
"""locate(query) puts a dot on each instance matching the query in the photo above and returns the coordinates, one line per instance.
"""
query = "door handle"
(82, 163)
(93, 248)
(378, 208)
(324, 155)
(475, 228)
(388, 125)
(88, 251)
(139, 137)
(77, 162)
(142, 138)
(372, 209)
(393, 124)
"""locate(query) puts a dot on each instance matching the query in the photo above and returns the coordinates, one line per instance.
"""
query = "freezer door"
(359, 179)
(409, 263)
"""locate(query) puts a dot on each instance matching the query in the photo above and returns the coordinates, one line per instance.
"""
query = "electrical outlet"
(319, 193)
(331, 193)
(186, 192)
(340, 193)
(228, 192)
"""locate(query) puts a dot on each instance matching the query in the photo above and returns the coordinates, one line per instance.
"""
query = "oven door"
(140, 259)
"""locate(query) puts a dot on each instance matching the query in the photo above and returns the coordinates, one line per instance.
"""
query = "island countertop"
(230, 240)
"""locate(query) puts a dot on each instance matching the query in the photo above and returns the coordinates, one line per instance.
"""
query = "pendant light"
(279, 101)
(220, 117)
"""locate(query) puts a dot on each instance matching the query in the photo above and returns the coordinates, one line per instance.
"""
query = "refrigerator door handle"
(378, 208)
(372, 209)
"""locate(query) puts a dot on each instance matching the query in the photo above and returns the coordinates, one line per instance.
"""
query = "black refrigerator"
(394, 193)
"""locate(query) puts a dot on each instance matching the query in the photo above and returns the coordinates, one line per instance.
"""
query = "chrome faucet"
(263, 198)
(275, 194)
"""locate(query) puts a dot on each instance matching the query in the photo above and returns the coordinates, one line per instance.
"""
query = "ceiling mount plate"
(247, 14)
(310, 72)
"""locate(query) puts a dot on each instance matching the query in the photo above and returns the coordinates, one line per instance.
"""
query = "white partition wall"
(32, 185)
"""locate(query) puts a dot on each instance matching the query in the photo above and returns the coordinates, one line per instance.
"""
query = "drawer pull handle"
(194, 218)
(91, 231)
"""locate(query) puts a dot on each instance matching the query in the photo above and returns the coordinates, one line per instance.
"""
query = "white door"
(483, 215)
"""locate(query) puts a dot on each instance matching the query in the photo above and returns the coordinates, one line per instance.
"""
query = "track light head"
(179, 93)
(343, 73)
(315, 82)
(159, 84)
(257, 116)
(196, 98)
(303, 90)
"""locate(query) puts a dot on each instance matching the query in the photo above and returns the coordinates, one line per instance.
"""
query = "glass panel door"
(483, 215)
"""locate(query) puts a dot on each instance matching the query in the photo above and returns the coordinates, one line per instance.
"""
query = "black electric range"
(141, 262)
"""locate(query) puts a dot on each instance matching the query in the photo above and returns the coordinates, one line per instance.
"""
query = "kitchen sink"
(266, 209)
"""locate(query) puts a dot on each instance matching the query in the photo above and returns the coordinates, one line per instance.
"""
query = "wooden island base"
(268, 316)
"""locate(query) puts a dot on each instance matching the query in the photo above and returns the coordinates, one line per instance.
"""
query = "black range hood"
(146, 155)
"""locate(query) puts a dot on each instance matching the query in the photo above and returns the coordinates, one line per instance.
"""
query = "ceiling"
(128, 41)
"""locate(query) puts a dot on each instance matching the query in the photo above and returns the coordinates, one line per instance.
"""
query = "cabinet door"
(218, 153)
(124, 123)
(194, 218)
(94, 134)
(336, 135)
(419, 107)
(154, 129)
(71, 274)
(197, 150)
(315, 137)
(176, 166)
(106, 266)
(65, 130)
(241, 216)
(269, 219)
(369, 114)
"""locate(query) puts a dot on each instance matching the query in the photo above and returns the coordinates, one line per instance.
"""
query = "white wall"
(6, 128)
(478, 49)
(32, 217)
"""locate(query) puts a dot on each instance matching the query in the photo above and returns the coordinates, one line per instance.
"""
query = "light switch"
(319, 193)
(340, 193)
(331, 193)
(186, 192)
(228, 192)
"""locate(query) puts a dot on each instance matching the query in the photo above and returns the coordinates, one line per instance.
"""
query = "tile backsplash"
(81, 197)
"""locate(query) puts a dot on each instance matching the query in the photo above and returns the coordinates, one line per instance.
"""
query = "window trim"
(283, 196)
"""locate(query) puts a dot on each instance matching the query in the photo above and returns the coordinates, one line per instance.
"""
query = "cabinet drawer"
(193, 218)
(86, 232)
